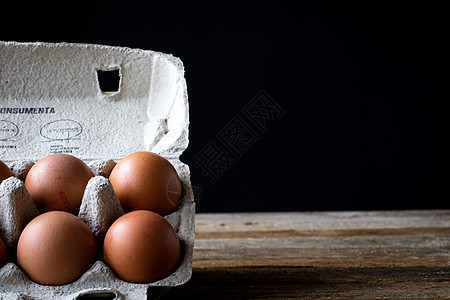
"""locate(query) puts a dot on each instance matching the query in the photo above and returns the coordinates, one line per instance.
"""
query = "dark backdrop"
(294, 105)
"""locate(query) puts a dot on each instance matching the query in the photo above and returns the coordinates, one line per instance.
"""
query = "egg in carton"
(52, 102)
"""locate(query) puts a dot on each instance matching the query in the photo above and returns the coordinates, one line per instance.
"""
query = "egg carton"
(51, 101)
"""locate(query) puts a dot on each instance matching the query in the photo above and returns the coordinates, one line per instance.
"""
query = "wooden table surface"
(325, 255)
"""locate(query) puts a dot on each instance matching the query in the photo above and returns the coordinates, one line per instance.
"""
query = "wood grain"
(327, 255)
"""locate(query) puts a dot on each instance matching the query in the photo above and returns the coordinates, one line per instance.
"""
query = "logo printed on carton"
(59, 130)
(8, 130)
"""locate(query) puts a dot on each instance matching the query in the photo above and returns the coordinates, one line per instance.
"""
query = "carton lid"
(51, 101)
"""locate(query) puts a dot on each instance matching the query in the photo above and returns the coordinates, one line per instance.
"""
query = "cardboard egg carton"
(51, 101)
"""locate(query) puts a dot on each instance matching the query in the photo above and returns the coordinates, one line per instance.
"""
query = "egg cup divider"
(165, 134)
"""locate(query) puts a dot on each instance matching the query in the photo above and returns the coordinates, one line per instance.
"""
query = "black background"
(363, 86)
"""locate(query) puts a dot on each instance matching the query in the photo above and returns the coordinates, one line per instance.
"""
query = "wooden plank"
(322, 220)
(314, 283)
(333, 255)
(330, 232)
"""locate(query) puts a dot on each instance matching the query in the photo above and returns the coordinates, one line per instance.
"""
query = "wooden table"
(332, 255)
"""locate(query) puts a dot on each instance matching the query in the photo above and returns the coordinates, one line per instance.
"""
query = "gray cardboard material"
(51, 102)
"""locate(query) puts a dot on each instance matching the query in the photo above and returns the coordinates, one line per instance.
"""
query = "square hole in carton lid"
(109, 81)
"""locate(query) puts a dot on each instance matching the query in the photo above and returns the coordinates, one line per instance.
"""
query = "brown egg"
(57, 182)
(146, 180)
(55, 248)
(3, 254)
(5, 171)
(141, 247)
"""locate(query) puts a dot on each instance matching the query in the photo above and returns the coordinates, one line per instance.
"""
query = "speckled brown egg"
(57, 182)
(146, 180)
(141, 247)
(5, 171)
(3, 253)
(55, 248)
